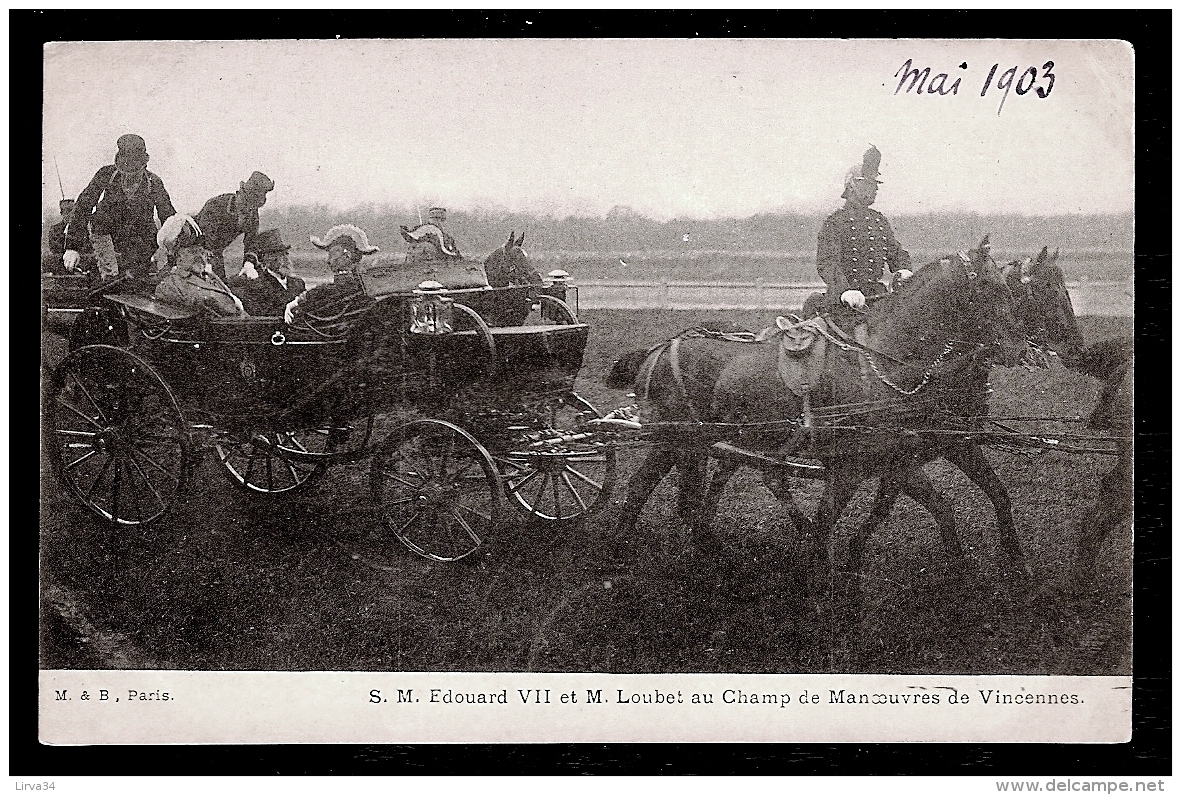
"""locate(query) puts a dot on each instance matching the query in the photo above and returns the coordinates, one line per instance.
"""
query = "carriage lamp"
(430, 310)
(560, 287)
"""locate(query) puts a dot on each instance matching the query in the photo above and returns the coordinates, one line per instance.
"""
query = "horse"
(1112, 361)
(509, 264)
(949, 315)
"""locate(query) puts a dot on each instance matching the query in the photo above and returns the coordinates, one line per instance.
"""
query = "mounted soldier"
(119, 211)
(225, 217)
(856, 247)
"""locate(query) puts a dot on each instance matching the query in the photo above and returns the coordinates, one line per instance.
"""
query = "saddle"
(803, 346)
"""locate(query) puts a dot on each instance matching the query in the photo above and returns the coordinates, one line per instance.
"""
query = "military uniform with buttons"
(856, 247)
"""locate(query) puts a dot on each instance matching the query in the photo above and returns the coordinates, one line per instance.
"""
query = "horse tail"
(626, 369)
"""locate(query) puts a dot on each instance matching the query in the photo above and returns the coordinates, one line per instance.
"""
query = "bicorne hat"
(358, 237)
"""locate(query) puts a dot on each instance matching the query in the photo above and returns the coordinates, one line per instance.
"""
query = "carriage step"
(763, 461)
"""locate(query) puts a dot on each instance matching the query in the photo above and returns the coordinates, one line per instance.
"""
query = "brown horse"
(952, 315)
(509, 264)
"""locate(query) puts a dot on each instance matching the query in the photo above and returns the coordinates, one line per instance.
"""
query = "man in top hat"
(52, 262)
(856, 245)
(192, 284)
(346, 245)
(276, 286)
(228, 215)
(119, 210)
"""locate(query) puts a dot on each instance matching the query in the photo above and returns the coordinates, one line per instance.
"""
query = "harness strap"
(674, 360)
(861, 335)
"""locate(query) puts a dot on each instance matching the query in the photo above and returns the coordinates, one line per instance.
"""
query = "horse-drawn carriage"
(477, 382)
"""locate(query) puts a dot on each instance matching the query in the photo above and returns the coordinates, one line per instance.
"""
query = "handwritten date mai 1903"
(921, 81)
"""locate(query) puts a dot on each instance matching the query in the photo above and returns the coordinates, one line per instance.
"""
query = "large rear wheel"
(116, 435)
(436, 489)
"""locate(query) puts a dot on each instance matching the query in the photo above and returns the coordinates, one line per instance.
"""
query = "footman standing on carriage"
(856, 246)
(225, 217)
(119, 210)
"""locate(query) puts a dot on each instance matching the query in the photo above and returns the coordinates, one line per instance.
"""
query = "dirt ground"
(233, 582)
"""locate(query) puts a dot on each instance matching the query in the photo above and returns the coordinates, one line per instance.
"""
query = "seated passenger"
(346, 246)
(275, 287)
(431, 241)
(192, 284)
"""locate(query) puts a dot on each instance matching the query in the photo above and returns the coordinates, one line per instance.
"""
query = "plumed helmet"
(358, 237)
(179, 231)
(870, 163)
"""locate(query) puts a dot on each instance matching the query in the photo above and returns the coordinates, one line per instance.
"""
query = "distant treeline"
(625, 231)
(622, 230)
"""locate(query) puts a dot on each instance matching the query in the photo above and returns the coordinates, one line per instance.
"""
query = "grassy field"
(231, 582)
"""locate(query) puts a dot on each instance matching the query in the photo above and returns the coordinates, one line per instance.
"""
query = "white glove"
(854, 299)
(70, 260)
(903, 274)
(289, 310)
(238, 303)
(248, 270)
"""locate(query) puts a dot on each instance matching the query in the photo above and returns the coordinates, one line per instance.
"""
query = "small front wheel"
(436, 489)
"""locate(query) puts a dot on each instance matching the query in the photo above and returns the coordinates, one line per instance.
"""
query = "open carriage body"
(462, 401)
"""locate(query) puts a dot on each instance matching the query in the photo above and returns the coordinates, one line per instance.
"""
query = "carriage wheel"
(491, 363)
(117, 437)
(552, 477)
(255, 463)
(436, 488)
(555, 310)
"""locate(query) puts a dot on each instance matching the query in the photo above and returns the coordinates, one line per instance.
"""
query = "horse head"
(510, 265)
(1042, 303)
(959, 298)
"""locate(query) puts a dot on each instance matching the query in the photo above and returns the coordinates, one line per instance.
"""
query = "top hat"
(132, 147)
(270, 242)
(257, 187)
(350, 234)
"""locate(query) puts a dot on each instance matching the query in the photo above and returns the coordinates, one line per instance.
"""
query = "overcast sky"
(681, 127)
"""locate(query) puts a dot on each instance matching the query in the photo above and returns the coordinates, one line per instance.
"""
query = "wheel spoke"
(98, 478)
(249, 464)
(461, 507)
(513, 489)
(270, 474)
(135, 451)
(294, 474)
(557, 503)
(93, 402)
(115, 489)
(459, 474)
(78, 461)
(64, 432)
(143, 476)
(584, 478)
(537, 498)
(574, 491)
(447, 451)
(463, 523)
(397, 476)
(80, 413)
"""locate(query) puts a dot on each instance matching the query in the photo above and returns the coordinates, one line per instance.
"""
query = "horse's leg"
(888, 489)
(969, 457)
(1113, 505)
(691, 472)
(704, 536)
(655, 466)
(781, 488)
(916, 485)
(838, 490)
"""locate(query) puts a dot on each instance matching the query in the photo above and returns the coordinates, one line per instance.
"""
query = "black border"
(1149, 752)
